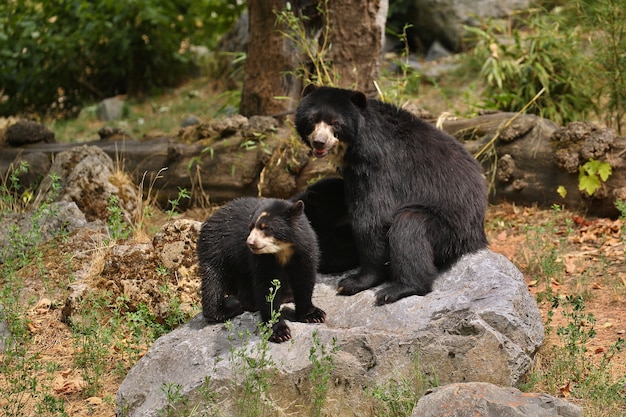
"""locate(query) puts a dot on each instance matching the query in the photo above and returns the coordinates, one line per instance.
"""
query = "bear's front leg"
(280, 332)
(313, 315)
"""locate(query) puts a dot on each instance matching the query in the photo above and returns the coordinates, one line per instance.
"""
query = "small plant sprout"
(175, 203)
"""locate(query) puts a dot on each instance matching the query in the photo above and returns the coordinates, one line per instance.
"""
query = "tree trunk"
(273, 75)
(270, 63)
(357, 36)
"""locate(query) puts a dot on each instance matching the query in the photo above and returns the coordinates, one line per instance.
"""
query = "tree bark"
(357, 36)
(270, 63)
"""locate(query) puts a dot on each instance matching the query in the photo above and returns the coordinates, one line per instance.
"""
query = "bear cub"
(243, 247)
(416, 197)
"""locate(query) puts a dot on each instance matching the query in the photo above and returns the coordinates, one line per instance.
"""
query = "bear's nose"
(319, 144)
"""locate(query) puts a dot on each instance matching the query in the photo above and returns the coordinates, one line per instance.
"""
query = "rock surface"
(479, 399)
(111, 108)
(479, 324)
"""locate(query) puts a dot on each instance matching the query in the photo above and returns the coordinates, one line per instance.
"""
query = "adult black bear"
(248, 243)
(416, 197)
(326, 209)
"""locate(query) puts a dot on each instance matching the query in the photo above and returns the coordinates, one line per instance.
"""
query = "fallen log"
(531, 160)
(526, 159)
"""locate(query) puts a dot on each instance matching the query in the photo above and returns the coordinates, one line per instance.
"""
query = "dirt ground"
(559, 252)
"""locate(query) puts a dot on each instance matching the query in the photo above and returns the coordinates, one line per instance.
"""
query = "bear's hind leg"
(359, 281)
(216, 306)
(411, 256)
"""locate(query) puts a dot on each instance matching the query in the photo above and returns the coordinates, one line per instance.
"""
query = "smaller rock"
(175, 243)
(110, 109)
(190, 121)
(4, 331)
(113, 133)
(35, 227)
(437, 51)
(26, 132)
(480, 399)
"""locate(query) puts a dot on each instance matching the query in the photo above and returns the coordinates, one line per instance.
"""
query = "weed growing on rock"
(322, 366)
(175, 398)
(12, 199)
(254, 367)
(174, 203)
(397, 397)
(117, 227)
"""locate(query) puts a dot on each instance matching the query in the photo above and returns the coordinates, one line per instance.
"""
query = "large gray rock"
(479, 324)
(479, 399)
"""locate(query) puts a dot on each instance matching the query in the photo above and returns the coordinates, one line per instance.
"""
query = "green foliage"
(571, 371)
(57, 54)
(548, 51)
(174, 203)
(116, 225)
(12, 198)
(542, 58)
(255, 366)
(91, 341)
(608, 63)
(592, 174)
(406, 83)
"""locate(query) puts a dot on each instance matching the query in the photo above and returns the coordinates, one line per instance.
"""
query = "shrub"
(543, 57)
(56, 54)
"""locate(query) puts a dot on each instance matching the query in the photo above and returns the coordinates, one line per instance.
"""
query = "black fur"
(326, 209)
(416, 197)
(235, 279)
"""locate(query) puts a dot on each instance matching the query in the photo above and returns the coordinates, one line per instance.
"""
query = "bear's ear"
(296, 209)
(359, 99)
(308, 90)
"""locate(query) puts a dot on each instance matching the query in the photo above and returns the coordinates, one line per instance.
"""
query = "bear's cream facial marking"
(260, 243)
(322, 139)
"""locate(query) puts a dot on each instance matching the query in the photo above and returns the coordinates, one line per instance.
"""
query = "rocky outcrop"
(479, 324)
(479, 399)
(87, 176)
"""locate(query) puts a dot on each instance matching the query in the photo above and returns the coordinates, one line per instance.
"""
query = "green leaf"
(605, 171)
(562, 191)
(588, 183)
